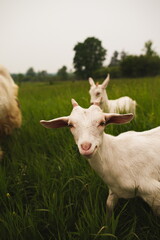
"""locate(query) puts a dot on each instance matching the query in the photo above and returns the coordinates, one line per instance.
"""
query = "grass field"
(48, 191)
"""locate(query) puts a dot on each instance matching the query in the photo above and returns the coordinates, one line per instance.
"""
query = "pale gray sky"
(42, 33)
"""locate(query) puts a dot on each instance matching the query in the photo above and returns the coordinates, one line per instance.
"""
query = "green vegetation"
(88, 62)
(89, 56)
(48, 191)
(127, 65)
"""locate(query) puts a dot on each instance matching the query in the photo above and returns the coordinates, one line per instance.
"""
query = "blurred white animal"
(128, 163)
(120, 105)
(10, 114)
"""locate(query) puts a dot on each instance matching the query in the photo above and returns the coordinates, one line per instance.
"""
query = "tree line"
(88, 62)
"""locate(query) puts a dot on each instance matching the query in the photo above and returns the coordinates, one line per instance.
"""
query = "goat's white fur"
(120, 105)
(128, 163)
(10, 114)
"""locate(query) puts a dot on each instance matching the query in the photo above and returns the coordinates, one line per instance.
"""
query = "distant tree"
(30, 72)
(101, 73)
(114, 59)
(147, 64)
(89, 56)
(71, 75)
(123, 54)
(148, 49)
(140, 66)
(129, 66)
(18, 78)
(42, 75)
(62, 73)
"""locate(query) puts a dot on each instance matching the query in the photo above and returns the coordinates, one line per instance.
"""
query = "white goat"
(120, 105)
(10, 114)
(129, 163)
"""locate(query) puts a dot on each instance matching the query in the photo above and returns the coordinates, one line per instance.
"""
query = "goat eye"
(103, 123)
(70, 125)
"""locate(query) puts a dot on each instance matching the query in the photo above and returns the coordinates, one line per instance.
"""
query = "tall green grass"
(48, 191)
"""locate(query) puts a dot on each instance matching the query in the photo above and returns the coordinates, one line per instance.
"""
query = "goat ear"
(118, 118)
(55, 123)
(106, 81)
(74, 103)
(91, 81)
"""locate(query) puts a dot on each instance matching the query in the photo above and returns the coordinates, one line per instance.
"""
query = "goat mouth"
(88, 153)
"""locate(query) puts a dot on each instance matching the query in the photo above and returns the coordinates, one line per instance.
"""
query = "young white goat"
(10, 114)
(128, 163)
(120, 105)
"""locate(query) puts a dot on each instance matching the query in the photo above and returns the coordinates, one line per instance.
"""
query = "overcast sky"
(42, 33)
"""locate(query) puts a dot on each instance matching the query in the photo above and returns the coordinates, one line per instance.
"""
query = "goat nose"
(86, 146)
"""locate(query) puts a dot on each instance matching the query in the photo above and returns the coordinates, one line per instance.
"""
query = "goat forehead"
(86, 116)
(96, 88)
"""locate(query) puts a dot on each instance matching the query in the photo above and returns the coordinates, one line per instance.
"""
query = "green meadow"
(47, 190)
